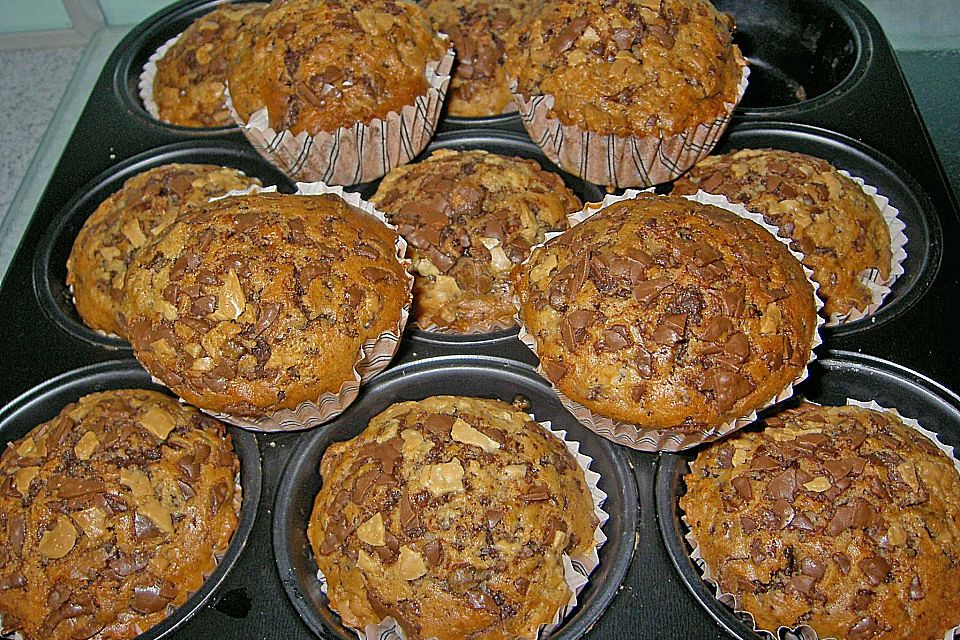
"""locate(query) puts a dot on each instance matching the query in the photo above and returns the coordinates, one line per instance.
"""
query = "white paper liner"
(655, 440)
(871, 278)
(622, 161)
(804, 632)
(576, 569)
(372, 358)
(359, 152)
(148, 75)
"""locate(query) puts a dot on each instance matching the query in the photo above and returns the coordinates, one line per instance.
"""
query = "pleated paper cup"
(576, 569)
(673, 439)
(804, 632)
(357, 153)
(149, 74)
(621, 161)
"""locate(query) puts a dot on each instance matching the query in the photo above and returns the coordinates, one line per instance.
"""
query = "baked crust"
(840, 518)
(111, 515)
(452, 516)
(129, 220)
(469, 217)
(253, 304)
(667, 313)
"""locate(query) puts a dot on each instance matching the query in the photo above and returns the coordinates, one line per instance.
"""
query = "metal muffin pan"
(505, 143)
(477, 376)
(834, 378)
(45, 401)
(50, 260)
(923, 229)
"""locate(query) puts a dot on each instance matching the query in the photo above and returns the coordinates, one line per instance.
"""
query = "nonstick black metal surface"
(833, 379)
(45, 401)
(860, 108)
(475, 376)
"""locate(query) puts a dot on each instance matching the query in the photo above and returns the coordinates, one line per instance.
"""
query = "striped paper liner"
(622, 161)
(576, 569)
(804, 632)
(372, 358)
(643, 438)
(359, 152)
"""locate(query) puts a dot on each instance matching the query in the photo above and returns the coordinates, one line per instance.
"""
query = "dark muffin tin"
(825, 81)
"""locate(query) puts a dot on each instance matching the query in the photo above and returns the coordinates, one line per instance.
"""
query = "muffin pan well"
(50, 261)
(856, 111)
(45, 401)
(834, 379)
(477, 376)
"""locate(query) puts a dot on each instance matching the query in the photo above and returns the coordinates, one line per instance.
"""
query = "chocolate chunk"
(728, 387)
(715, 328)
(862, 514)
(647, 291)
(749, 524)
(144, 528)
(376, 274)
(124, 565)
(536, 493)
(555, 371)
(837, 468)
(783, 486)
(493, 517)
(388, 453)
(432, 212)
(732, 301)
(13, 580)
(857, 464)
(742, 486)
(153, 598)
(482, 600)
(565, 39)
(916, 589)
(581, 319)
(802, 583)
(784, 513)
(267, 315)
(218, 496)
(876, 569)
(856, 437)
(494, 229)
(68, 487)
(671, 329)
(863, 630)
(737, 347)
(811, 441)
(812, 567)
(802, 521)
(439, 424)
(763, 462)
(644, 362)
(841, 521)
(616, 337)
(725, 457)
(363, 484)
(843, 562)
(433, 553)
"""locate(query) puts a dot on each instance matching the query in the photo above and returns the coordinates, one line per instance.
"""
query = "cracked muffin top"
(113, 514)
(129, 220)
(838, 228)
(253, 304)
(321, 65)
(452, 515)
(840, 518)
(470, 217)
(669, 314)
(627, 67)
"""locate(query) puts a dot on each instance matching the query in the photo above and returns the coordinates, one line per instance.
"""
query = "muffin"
(838, 227)
(126, 222)
(255, 304)
(111, 515)
(625, 92)
(190, 81)
(477, 30)
(842, 519)
(452, 515)
(470, 217)
(315, 80)
(667, 314)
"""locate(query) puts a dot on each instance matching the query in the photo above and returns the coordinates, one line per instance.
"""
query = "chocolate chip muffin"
(129, 220)
(253, 304)
(451, 515)
(627, 67)
(321, 65)
(668, 314)
(470, 217)
(111, 515)
(839, 518)
(477, 29)
(191, 77)
(838, 228)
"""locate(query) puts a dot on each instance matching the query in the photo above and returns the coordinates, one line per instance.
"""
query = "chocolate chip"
(737, 347)
(876, 569)
(916, 589)
(863, 630)
(375, 274)
(862, 514)
(802, 521)
(647, 291)
(742, 486)
(728, 387)
(151, 599)
(616, 337)
(784, 512)
(715, 328)
(763, 462)
(837, 468)
(565, 39)
(144, 528)
(439, 424)
(732, 301)
(555, 371)
(812, 567)
(433, 553)
(749, 524)
(783, 486)
(841, 521)
(803, 584)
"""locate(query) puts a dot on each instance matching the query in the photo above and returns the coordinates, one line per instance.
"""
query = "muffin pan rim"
(114, 374)
(621, 529)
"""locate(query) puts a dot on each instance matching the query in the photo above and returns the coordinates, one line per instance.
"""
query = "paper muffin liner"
(871, 278)
(576, 569)
(655, 440)
(621, 161)
(804, 632)
(372, 358)
(148, 75)
(359, 152)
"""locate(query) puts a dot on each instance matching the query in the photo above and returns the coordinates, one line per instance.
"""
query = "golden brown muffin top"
(318, 65)
(253, 304)
(477, 29)
(191, 77)
(452, 516)
(666, 313)
(470, 217)
(111, 515)
(840, 518)
(127, 221)
(838, 228)
(627, 67)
